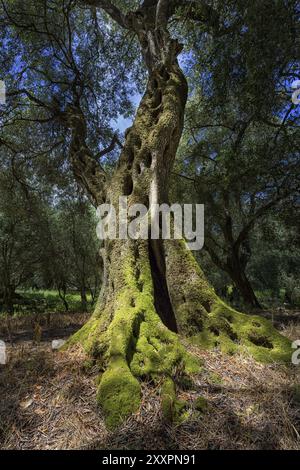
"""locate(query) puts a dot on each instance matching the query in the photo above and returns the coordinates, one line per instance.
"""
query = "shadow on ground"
(48, 402)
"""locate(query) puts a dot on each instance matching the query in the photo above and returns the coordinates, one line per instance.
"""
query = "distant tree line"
(46, 243)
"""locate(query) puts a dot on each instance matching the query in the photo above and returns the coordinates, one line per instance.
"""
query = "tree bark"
(153, 289)
(62, 292)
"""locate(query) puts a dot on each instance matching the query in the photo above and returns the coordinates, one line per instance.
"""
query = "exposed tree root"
(130, 342)
(154, 290)
(208, 321)
(135, 344)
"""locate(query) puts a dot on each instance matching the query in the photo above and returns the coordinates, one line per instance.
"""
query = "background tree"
(76, 265)
(242, 130)
(274, 266)
(20, 233)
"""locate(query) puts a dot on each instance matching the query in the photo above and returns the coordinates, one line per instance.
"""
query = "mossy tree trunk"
(153, 289)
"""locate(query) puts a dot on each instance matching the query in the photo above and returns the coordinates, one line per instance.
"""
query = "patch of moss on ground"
(173, 409)
(185, 382)
(201, 404)
(215, 378)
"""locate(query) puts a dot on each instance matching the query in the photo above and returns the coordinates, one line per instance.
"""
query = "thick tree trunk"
(154, 289)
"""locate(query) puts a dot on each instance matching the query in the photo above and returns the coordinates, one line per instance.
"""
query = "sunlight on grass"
(45, 301)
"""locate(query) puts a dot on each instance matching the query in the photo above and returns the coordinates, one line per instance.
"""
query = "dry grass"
(48, 402)
(21, 328)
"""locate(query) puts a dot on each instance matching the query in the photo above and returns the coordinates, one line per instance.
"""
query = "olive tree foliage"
(47, 240)
(56, 55)
(72, 261)
(22, 220)
(274, 265)
(241, 143)
(53, 56)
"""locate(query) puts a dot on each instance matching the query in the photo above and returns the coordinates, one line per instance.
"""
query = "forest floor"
(48, 400)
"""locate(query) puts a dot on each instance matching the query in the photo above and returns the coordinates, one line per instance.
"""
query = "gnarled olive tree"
(153, 290)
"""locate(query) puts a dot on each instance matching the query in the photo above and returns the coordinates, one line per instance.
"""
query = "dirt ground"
(47, 401)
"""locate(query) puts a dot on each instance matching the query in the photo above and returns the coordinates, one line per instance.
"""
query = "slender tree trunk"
(153, 289)
(236, 270)
(8, 299)
(62, 292)
(83, 298)
(244, 287)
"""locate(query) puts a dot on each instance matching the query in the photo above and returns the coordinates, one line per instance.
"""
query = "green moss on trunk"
(208, 321)
(119, 392)
(136, 344)
(126, 335)
(133, 344)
